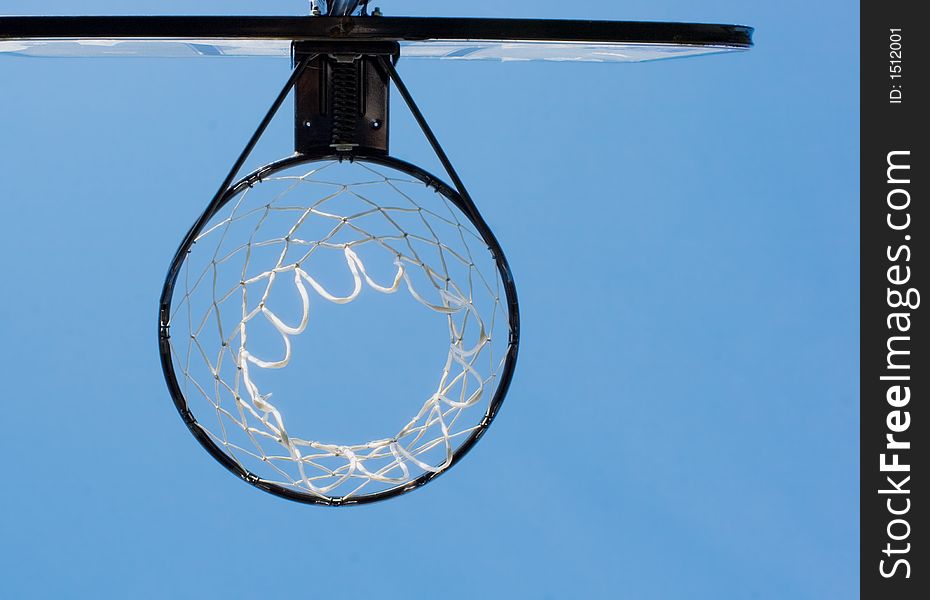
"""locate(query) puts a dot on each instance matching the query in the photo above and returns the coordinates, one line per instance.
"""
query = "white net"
(252, 289)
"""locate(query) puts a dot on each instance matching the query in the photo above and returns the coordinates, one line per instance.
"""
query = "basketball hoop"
(244, 286)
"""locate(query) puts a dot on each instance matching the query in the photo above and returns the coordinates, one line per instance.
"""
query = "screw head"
(376, 124)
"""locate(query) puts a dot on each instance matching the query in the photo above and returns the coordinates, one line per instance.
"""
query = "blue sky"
(684, 236)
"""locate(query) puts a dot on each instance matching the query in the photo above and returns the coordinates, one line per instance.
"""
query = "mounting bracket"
(342, 98)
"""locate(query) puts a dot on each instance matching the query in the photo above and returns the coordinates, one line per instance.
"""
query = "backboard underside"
(450, 39)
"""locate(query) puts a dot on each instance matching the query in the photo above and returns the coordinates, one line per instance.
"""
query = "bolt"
(376, 124)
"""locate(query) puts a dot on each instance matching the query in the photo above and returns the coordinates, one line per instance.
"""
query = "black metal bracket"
(342, 99)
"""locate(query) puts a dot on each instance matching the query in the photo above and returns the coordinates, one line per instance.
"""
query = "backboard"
(443, 38)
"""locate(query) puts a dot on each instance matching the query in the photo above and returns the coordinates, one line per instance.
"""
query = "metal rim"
(374, 29)
(506, 375)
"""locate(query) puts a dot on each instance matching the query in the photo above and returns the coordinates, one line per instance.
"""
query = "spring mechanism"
(341, 101)
(345, 104)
